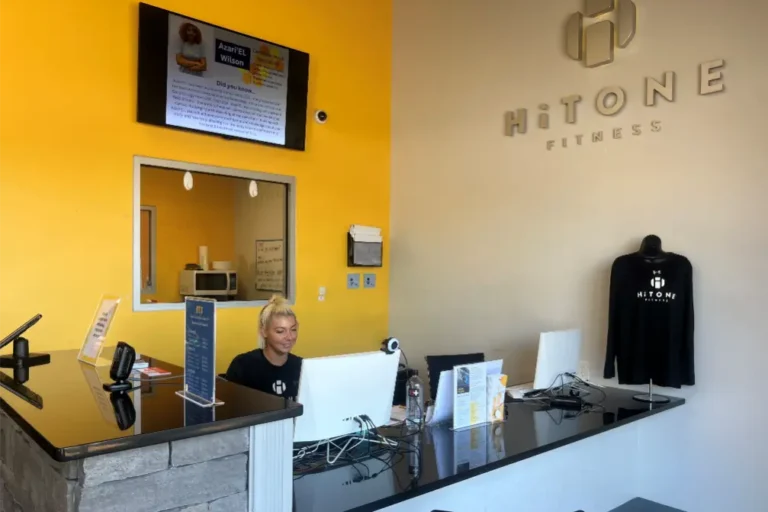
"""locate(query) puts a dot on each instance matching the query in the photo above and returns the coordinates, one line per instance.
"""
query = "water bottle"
(414, 459)
(414, 402)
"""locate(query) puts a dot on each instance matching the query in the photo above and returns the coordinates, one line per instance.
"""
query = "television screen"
(201, 77)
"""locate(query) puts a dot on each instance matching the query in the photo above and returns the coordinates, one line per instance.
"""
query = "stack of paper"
(365, 233)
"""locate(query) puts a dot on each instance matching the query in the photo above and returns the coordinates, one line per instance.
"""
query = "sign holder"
(195, 414)
(478, 395)
(90, 352)
(200, 352)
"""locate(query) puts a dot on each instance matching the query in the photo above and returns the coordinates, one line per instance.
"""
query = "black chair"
(643, 505)
(438, 364)
(403, 374)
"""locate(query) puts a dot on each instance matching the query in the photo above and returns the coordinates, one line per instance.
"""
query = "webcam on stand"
(390, 345)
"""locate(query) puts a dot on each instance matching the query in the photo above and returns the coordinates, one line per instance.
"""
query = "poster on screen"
(225, 83)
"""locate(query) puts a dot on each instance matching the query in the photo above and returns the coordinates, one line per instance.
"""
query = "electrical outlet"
(369, 280)
(353, 281)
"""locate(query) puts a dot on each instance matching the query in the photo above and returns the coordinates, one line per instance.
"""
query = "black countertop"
(447, 456)
(79, 419)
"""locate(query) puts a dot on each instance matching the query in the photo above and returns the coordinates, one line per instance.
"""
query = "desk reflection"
(458, 451)
(17, 387)
(346, 487)
(440, 456)
(120, 409)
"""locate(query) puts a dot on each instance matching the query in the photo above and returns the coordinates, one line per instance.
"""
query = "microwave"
(208, 283)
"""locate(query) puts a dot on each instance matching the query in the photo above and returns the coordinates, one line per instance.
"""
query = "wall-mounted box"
(364, 247)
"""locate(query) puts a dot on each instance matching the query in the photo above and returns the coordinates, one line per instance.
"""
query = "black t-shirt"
(651, 321)
(254, 370)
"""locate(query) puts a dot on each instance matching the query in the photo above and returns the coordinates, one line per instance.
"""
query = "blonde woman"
(272, 369)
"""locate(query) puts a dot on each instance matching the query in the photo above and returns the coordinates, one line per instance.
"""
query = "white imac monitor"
(335, 390)
(559, 352)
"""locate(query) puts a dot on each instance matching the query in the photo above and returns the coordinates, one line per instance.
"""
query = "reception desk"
(538, 460)
(70, 446)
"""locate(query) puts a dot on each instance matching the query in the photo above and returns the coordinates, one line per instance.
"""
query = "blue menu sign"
(200, 350)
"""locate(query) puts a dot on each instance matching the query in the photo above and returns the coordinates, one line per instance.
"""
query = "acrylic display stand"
(202, 402)
(93, 345)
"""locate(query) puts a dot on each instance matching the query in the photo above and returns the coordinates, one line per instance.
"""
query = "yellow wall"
(186, 220)
(68, 136)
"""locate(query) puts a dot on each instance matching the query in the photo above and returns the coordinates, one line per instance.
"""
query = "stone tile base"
(202, 474)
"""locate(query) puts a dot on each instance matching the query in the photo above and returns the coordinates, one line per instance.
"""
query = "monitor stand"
(21, 357)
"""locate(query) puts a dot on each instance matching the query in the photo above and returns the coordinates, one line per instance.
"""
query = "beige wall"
(256, 218)
(496, 238)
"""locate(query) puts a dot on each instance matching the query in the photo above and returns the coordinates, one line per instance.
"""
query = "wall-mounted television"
(198, 76)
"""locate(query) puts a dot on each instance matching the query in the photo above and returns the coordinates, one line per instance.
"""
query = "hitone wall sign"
(594, 46)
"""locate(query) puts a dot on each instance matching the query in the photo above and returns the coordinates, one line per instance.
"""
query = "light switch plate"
(369, 280)
(353, 281)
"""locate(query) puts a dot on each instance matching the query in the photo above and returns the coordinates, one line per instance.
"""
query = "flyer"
(470, 400)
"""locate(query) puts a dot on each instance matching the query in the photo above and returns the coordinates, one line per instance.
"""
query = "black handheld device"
(21, 358)
(21, 330)
(122, 365)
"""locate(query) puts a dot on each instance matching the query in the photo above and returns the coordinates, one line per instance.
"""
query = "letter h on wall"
(594, 44)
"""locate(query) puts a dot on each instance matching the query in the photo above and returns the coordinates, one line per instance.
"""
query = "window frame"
(290, 242)
(152, 249)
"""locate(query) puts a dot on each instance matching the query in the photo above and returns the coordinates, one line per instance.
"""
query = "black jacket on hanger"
(650, 321)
